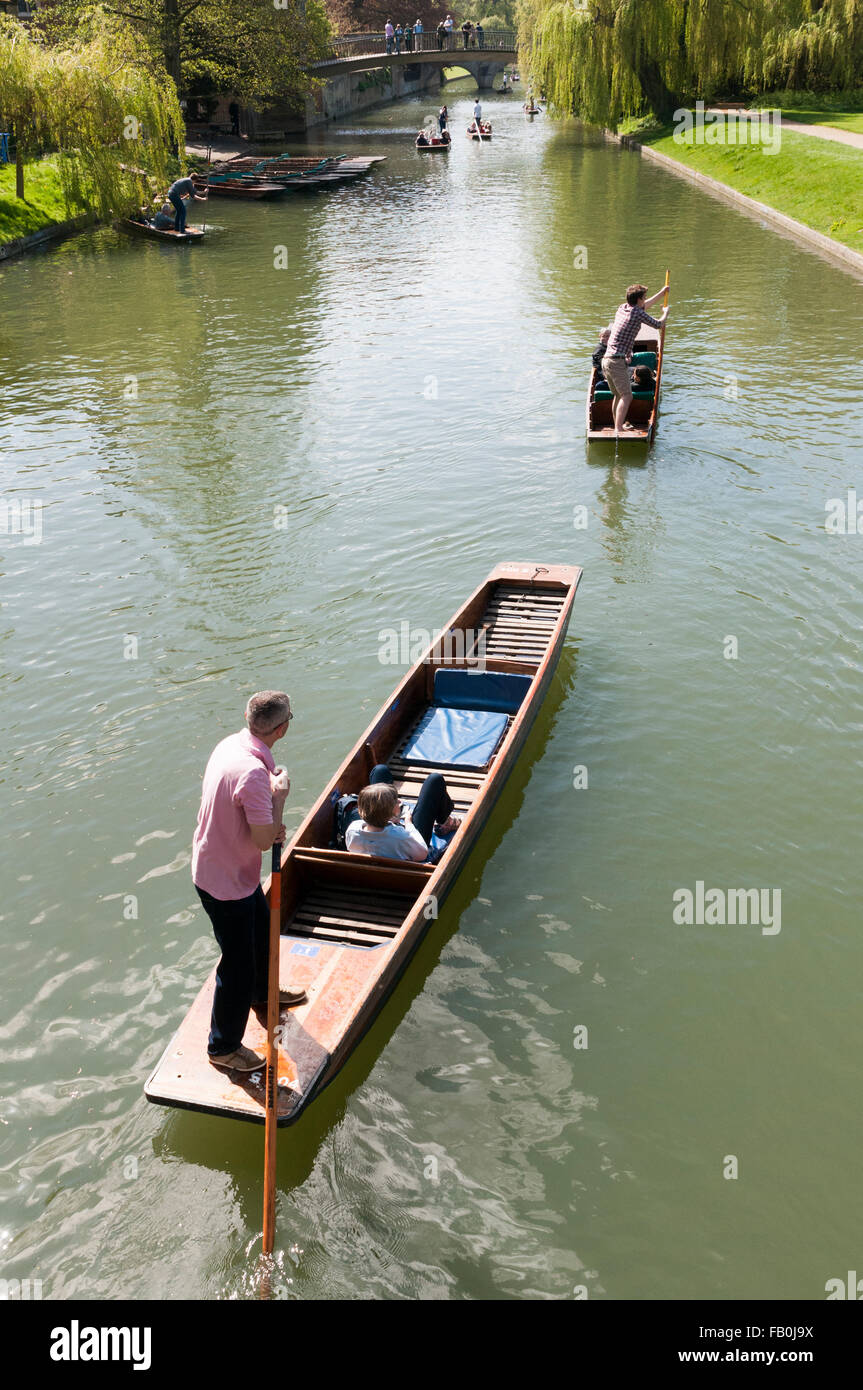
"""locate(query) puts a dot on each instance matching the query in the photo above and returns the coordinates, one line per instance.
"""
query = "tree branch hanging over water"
(607, 59)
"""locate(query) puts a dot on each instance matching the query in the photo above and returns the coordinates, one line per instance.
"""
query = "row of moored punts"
(250, 177)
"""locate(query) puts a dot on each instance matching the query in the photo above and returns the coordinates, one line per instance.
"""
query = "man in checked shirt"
(624, 331)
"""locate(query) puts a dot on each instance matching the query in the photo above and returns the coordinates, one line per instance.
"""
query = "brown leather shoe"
(288, 998)
(244, 1059)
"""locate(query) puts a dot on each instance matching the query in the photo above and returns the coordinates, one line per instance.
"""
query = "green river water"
(411, 390)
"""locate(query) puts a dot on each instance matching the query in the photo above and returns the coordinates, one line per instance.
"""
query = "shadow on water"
(235, 1148)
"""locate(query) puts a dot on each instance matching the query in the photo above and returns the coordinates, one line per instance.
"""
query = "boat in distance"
(350, 922)
(432, 143)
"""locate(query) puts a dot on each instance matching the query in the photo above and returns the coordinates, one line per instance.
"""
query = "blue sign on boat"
(301, 948)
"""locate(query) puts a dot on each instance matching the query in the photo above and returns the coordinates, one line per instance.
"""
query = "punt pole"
(272, 1086)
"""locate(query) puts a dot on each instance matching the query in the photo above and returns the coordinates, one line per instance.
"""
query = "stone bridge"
(363, 52)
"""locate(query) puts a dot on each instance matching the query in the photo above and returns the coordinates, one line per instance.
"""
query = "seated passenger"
(599, 352)
(643, 379)
(379, 828)
(164, 218)
(422, 138)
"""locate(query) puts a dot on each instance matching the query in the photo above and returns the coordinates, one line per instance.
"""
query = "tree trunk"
(171, 39)
(659, 97)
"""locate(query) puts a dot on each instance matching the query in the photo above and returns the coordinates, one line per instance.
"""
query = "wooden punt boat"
(435, 144)
(484, 132)
(645, 404)
(532, 110)
(191, 236)
(244, 188)
(350, 922)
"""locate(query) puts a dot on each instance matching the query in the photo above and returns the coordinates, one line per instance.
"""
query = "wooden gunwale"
(190, 237)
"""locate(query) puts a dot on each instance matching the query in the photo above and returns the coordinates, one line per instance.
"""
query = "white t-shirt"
(447, 24)
(477, 111)
(393, 842)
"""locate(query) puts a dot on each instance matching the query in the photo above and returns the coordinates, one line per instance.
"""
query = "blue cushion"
(456, 738)
(455, 688)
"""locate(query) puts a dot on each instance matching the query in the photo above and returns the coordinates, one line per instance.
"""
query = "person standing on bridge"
(447, 24)
(418, 33)
(466, 29)
(389, 35)
(441, 35)
(480, 34)
(409, 39)
(399, 36)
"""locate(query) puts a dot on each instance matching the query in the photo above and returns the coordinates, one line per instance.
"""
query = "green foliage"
(99, 101)
(789, 100)
(250, 49)
(500, 15)
(609, 59)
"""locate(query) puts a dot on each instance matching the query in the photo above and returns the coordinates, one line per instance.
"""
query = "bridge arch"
(364, 52)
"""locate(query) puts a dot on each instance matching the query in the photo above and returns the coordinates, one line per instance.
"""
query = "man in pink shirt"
(241, 816)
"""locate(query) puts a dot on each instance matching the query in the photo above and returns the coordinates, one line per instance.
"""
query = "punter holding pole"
(242, 801)
(630, 317)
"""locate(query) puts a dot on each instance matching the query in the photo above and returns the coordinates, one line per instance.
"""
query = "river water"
(410, 389)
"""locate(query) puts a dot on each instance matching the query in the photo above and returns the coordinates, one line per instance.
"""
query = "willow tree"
(606, 59)
(99, 104)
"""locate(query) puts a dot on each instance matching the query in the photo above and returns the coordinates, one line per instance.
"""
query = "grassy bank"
(844, 110)
(814, 181)
(43, 202)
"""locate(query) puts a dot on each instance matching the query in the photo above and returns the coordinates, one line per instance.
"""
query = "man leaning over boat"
(240, 816)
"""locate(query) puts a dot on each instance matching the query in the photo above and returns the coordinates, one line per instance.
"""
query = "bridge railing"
(375, 45)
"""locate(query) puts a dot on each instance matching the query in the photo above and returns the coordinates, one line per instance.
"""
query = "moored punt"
(243, 188)
(301, 171)
(349, 923)
(191, 236)
(645, 404)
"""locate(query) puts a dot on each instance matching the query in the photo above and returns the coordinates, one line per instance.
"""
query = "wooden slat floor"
(347, 915)
(519, 622)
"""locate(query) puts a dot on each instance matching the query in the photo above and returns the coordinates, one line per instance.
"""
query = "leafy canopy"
(99, 101)
(607, 59)
(256, 50)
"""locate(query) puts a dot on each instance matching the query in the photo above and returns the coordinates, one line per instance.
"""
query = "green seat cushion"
(601, 395)
(644, 359)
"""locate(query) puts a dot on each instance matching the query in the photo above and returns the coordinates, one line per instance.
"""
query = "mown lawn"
(843, 120)
(818, 183)
(43, 200)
